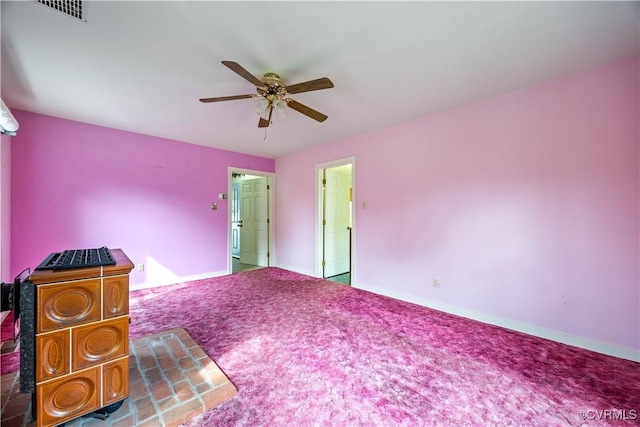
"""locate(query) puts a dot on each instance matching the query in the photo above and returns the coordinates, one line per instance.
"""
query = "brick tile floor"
(171, 380)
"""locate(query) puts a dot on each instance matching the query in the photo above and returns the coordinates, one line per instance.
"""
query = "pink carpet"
(9, 362)
(6, 329)
(305, 351)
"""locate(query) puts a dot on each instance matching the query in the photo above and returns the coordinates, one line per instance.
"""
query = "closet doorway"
(250, 220)
(335, 224)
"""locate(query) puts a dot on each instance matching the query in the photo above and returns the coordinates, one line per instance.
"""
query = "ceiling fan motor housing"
(274, 87)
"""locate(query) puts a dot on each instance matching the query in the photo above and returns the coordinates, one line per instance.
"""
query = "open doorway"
(250, 220)
(335, 224)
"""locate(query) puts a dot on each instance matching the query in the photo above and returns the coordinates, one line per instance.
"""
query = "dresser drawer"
(68, 304)
(99, 342)
(52, 355)
(67, 398)
(115, 381)
(115, 296)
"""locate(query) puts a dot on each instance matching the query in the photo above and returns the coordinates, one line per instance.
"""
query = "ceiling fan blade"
(310, 112)
(225, 98)
(239, 70)
(262, 123)
(317, 84)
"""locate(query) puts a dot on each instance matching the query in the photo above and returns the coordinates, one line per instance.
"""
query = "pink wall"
(5, 209)
(524, 206)
(77, 185)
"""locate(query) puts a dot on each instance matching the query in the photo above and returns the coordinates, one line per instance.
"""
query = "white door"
(235, 219)
(253, 225)
(338, 221)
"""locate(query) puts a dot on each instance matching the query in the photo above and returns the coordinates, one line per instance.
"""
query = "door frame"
(319, 206)
(271, 177)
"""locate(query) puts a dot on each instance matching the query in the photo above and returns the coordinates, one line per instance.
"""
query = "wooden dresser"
(81, 346)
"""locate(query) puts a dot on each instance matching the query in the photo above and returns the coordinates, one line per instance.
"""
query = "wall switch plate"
(436, 283)
(141, 267)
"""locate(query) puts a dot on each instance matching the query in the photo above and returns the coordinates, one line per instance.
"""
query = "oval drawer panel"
(70, 397)
(115, 383)
(116, 299)
(54, 351)
(100, 343)
(52, 355)
(115, 379)
(69, 304)
(65, 398)
(116, 296)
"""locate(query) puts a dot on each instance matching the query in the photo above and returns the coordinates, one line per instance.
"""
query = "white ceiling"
(142, 66)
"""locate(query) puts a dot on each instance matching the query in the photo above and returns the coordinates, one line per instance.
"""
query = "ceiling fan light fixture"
(280, 107)
(262, 107)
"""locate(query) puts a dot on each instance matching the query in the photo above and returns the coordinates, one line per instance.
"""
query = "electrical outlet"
(436, 283)
(141, 267)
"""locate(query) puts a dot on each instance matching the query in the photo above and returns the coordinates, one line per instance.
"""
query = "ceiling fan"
(273, 92)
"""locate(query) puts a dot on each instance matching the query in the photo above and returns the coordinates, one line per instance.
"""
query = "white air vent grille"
(73, 8)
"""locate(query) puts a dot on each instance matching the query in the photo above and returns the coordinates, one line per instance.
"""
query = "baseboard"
(173, 280)
(550, 334)
(297, 270)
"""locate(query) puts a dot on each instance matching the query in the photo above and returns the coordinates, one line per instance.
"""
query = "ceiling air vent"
(73, 8)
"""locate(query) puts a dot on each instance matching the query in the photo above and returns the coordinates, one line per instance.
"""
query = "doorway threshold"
(341, 278)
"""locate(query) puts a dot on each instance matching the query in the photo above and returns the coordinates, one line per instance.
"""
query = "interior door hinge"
(268, 254)
(324, 181)
(324, 263)
(324, 222)
(268, 187)
(268, 221)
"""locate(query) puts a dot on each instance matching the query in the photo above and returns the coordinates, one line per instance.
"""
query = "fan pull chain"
(266, 111)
